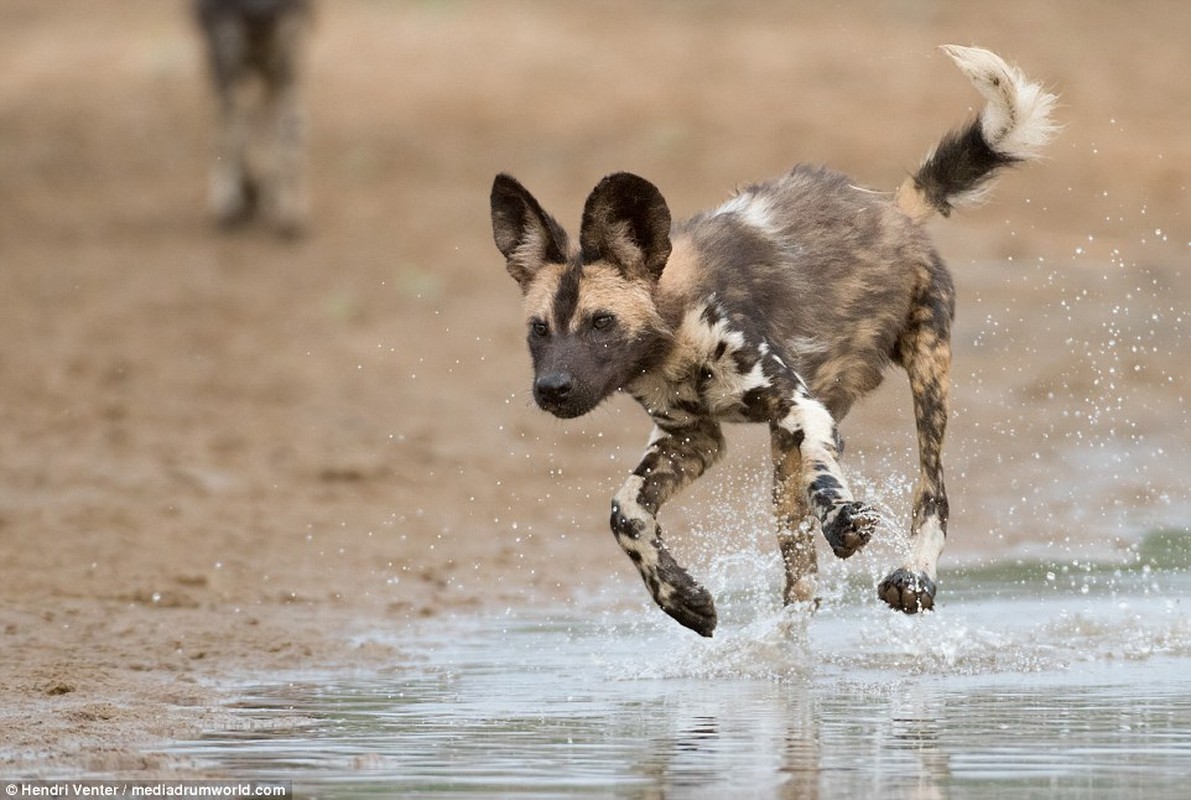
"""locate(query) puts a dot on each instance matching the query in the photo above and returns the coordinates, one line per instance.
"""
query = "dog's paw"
(801, 592)
(692, 607)
(677, 593)
(908, 591)
(808, 606)
(849, 528)
(234, 198)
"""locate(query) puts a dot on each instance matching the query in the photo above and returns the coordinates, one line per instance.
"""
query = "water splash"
(1016, 617)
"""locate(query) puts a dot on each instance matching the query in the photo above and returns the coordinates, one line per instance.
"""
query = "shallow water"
(1030, 680)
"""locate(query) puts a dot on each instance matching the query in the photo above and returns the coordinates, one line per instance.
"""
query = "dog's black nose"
(554, 387)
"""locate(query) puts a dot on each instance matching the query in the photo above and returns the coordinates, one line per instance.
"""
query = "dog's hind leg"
(232, 191)
(284, 62)
(675, 457)
(795, 526)
(925, 351)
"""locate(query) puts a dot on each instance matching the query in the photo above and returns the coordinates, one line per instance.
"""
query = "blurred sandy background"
(220, 456)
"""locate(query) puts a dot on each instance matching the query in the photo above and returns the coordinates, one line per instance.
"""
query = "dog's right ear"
(526, 235)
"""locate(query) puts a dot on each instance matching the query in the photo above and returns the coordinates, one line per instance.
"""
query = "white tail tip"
(1017, 119)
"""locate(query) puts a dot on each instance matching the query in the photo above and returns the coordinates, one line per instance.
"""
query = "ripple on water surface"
(1030, 680)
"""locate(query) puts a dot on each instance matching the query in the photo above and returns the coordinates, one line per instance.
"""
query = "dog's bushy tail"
(1011, 129)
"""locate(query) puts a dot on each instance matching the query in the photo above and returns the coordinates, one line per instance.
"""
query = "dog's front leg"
(675, 457)
(804, 450)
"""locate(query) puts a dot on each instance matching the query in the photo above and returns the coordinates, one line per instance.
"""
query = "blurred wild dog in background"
(257, 52)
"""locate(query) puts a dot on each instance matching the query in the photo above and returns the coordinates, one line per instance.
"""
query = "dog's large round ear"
(626, 221)
(525, 234)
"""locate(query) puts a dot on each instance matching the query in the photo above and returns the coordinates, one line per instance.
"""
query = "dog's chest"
(713, 371)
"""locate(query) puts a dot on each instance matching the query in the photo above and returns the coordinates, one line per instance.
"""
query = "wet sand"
(221, 456)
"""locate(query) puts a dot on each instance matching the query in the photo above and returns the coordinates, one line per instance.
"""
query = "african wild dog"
(266, 40)
(784, 306)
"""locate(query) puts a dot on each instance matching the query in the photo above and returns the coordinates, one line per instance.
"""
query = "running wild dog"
(783, 306)
(263, 40)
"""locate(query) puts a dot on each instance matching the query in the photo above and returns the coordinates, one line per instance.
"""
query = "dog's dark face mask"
(608, 338)
(592, 322)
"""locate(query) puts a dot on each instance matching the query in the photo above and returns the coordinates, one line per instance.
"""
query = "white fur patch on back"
(809, 345)
(752, 208)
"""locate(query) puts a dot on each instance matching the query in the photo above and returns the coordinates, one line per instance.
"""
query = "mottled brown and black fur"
(784, 305)
(257, 50)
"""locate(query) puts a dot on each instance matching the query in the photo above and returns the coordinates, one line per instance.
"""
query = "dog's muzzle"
(557, 393)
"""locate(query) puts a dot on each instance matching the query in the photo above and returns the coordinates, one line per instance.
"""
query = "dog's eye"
(602, 321)
(539, 328)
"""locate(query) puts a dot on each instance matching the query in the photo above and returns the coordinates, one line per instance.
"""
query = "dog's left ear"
(626, 221)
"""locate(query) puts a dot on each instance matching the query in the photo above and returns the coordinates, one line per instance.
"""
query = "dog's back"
(823, 270)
